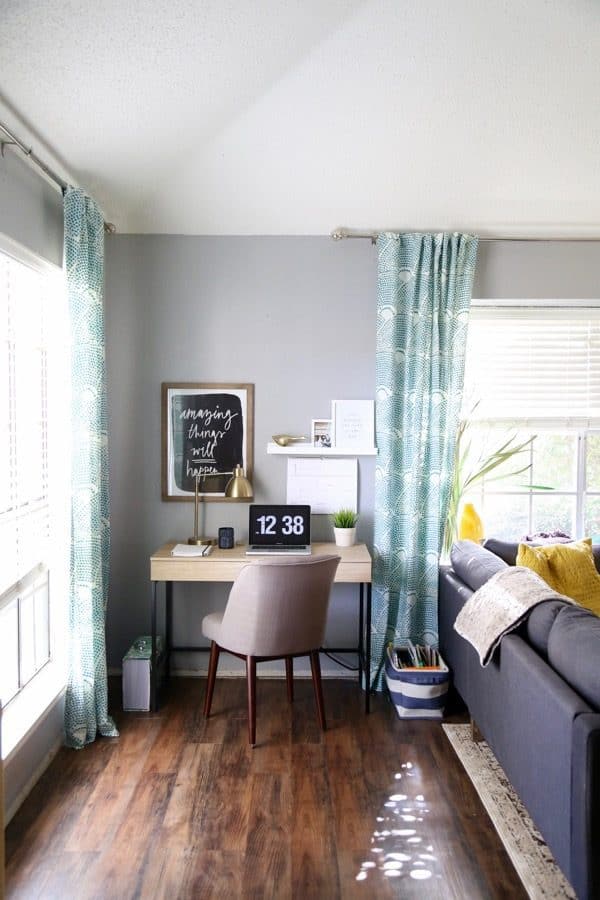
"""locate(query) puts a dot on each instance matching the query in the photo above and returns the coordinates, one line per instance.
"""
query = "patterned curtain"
(86, 704)
(424, 296)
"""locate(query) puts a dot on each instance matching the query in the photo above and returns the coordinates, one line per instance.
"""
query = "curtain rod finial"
(340, 233)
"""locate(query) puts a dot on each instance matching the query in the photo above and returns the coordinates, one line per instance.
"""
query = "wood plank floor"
(178, 807)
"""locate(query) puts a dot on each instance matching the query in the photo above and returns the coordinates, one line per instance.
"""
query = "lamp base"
(201, 541)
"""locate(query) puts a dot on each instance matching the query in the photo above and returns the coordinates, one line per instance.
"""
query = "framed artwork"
(207, 430)
(353, 424)
(322, 432)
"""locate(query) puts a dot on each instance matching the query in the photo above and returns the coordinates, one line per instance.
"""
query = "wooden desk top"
(224, 565)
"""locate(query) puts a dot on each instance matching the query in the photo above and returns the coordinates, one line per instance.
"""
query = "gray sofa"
(537, 705)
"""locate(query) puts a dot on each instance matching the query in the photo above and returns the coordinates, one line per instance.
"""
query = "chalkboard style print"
(208, 434)
(207, 430)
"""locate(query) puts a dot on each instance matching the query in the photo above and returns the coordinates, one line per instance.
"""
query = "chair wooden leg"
(289, 677)
(212, 674)
(315, 665)
(251, 676)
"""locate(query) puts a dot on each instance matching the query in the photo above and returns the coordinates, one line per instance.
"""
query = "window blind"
(533, 364)
(24, 489)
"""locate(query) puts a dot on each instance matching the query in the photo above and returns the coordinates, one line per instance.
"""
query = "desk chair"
(277, 609)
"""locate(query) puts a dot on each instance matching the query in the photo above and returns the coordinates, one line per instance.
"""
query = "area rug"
(541, 877)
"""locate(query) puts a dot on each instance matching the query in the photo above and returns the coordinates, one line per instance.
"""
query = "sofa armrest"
(585, 806)
(453, 593)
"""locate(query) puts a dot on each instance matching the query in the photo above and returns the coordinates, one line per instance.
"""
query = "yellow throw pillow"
(567, 568)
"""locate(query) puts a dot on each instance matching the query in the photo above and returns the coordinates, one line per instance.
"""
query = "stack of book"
(417, 679)
(191, 550)
(415, 656)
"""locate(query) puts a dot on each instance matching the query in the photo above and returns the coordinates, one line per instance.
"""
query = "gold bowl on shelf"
(284, 440)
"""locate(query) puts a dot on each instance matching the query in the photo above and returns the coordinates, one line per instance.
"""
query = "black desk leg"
(368, 653)
(168, 627)
(153, 672)
(361, 632)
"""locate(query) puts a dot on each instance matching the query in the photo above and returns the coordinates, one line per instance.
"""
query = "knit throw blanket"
(499, 606)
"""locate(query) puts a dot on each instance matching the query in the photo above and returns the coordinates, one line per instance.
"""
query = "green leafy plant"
(470, 469)
(344, 518)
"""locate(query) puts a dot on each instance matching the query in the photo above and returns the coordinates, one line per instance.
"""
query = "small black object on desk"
(226, 538)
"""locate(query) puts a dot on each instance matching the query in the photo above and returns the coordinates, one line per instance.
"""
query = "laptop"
(279, 530)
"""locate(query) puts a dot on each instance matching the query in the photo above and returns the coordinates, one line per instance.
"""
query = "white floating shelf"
(301, 449)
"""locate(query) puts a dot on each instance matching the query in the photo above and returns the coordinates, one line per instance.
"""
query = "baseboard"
(238, 673)
(31, 782)
(264, 673)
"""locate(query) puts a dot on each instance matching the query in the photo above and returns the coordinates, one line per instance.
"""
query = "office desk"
(223, 565)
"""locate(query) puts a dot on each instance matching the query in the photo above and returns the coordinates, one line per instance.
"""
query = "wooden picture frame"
(207, 429)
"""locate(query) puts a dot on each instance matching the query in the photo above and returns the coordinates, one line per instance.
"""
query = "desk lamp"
(237, 488)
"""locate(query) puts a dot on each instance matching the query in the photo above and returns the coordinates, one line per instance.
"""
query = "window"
(536, 371)
(34, 409)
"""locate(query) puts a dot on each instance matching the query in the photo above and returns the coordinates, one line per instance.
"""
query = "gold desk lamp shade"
(237, 488)
(238, 485)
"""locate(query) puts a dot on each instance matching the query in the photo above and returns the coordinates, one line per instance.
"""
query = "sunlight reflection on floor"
(398, 847)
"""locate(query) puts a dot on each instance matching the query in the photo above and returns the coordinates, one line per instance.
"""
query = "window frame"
(38, 693)
(580, 427)
(580, 493)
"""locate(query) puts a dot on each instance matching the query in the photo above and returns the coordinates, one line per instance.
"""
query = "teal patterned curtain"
(86, 703)
(424, 296)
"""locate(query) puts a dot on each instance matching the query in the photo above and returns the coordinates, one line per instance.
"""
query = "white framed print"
(353, 424)
(322, 433)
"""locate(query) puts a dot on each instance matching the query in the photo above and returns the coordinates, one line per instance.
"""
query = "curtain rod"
(13, 140)
(340, 234)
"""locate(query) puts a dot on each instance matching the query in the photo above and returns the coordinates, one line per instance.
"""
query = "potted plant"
(470, 469)
(344, 527)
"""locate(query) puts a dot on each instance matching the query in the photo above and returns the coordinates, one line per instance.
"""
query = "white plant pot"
(345, 537)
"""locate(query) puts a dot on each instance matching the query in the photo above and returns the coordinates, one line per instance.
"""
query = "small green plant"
(344, 518)
(470, 470)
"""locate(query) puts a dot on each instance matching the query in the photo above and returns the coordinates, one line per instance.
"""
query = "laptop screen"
(279, 526)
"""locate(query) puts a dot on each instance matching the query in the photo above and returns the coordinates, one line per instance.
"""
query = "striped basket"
(417, 693)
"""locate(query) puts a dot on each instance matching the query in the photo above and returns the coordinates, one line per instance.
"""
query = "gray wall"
(531, 270)
(295, 317)
(31, 209)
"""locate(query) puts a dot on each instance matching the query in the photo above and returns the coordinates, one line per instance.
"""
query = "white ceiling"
(294, 116)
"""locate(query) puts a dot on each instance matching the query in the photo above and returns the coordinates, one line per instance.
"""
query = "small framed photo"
(321, 432)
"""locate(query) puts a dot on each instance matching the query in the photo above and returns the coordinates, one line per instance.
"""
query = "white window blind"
(533, 364)
(24, 494)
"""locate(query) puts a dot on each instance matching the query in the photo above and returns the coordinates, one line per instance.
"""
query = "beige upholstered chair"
(276, 610)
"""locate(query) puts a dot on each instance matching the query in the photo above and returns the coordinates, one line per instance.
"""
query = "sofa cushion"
(474, 564)
(567, 568)
(573, 647)
(538, 624)
(507, 550)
